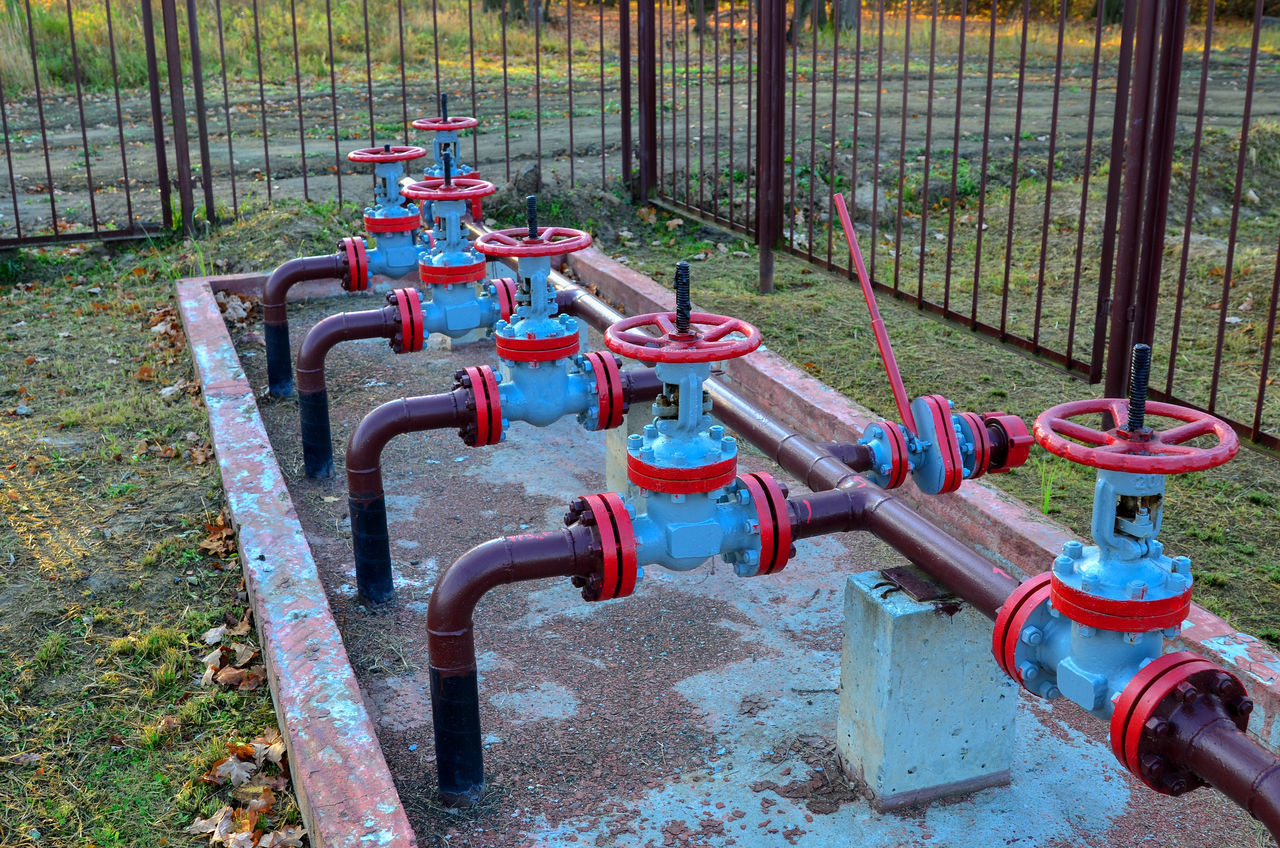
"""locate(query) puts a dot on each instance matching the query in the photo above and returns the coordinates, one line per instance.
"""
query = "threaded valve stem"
(1139, 372)
(532, 203)
(446, 160)
(683, 307)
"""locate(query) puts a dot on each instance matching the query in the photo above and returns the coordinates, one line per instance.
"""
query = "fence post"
(157, 114)
(178, 107)
(771, 106)
(624, 63)
(1148, 171)
(647, 69)
(202, 123)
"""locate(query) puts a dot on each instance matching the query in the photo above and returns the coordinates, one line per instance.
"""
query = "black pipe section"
(370, 541)
(275, 321)
(313, 396)
(455, 699)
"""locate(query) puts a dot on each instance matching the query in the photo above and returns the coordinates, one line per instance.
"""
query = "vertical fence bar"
(84, 132)
(8, 157)
(435, 45)
(604, 169)
(673, 31)
(1192, 182)
(752, 56)
(857, 115)
(1267, 347)
(297, 88)
(770, 80)
(262, 100)
(715, 122)
(1013, 174)
(1115, 178)
(813, 129)
(506, 92)
(875, 142)
(202, 118)
(536, 9)
(624, 60)
(1129, 238)
(226, 110)
(688, 144)
(157, 114)
(568, 48)
(1084, 182)
(660, 92)
(982, 168)
(647, 96)
(1048, 178)
(733, 106)
(333, 99)
(902, 144)
(471, 61)
(953, 202)
(702, 106)
(368, 70)
(44, 134)
(178, 109)
(928, 154)
(831, 141)
(1227, 274)
(115, 87)
(404, 82)
(794, 38)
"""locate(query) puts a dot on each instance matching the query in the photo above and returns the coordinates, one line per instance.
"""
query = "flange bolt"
(683, 307)
(531, 203)
(1139, 370)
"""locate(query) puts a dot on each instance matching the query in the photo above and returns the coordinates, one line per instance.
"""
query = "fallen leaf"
(214, 635)
(145, 374)
(26, 759)
(270, 746)
(239, 628)
(233, 770)
(244, 653)
(218, 826)
(253, 678)
(285, 837)
(240, 751)
(256, 798)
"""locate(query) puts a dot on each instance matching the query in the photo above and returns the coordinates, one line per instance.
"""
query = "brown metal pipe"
(313, 395)
(1228, 760)
(275, 321)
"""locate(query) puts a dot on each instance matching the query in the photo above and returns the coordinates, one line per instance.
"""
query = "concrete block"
(615, 464)
(442, 342)
(924, 710)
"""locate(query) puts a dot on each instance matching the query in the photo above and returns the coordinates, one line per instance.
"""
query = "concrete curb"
(344, 787)
(988, 520)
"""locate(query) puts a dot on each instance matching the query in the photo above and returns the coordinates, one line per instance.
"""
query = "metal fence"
(1059, 183)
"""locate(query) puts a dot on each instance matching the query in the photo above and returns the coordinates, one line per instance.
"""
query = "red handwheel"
(386, 153)
(550, 241)
(459, 188)
(705, 341)
(1148, 451)
(453, 123)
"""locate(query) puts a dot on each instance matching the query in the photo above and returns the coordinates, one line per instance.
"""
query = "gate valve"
(446, 128)
(692, 503)
(449, 253)
(542, 376)
(940, 448)
(391, 221)
(1101, 615)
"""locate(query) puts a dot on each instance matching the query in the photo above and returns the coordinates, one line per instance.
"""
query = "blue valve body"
(396, 253)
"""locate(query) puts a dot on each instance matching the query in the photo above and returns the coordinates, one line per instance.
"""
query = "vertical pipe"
(262, 100)
(647, 97)
(84, 132)
(297, 88)
(178, 107)
(202, 118)
(333, 99)
(44, 134)
(771, 82)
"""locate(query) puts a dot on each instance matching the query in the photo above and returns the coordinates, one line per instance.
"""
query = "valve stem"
(386, 148)
(532, 202)
(446, 160)
(444, 106)
(683, 306)
(1139, 371)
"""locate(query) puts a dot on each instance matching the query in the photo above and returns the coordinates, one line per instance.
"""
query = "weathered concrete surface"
(913, 676)
(344, 789)
(700, 711)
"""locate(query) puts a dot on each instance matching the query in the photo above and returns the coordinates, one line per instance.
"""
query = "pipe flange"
(770, 500)
(449, 275)
(486, 428)
(406, 223)
(505, 289)
(1133, 616)
(939, 468)
(357, 276)
(408, 303)
(1010, 439)
(1164, 706)
(608, 382)
(536, 350)
(1027, 606)
(682, 481)
(976, 432)
(891, 461)
(619, 567)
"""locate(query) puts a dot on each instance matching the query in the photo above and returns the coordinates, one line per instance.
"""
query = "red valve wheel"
(705, 341)
(551, 241)
(397, 153)
(461, 188)
(1147, 452)
(453, 123)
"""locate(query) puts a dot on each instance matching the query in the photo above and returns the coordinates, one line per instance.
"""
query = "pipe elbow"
(391, 419)
(295, 271)
(329, 332)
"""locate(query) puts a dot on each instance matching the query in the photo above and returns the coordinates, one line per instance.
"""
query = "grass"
(104, 728)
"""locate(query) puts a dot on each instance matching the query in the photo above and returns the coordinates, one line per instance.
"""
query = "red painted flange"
(357, 279)
(459, 188)
(981, 444)
(705, 341)
(505, 287)
(396, 153)
(409, 304)
(1012, 618)
(392, 224)
(453, 123)
(536, 350)
(1017, 440)
(449, 275)
(1146, 452)
(487, 427)
(619, 568)
(682, 481)
(551, 241)
(608, 379)
(774, 518)
(1136, 616)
